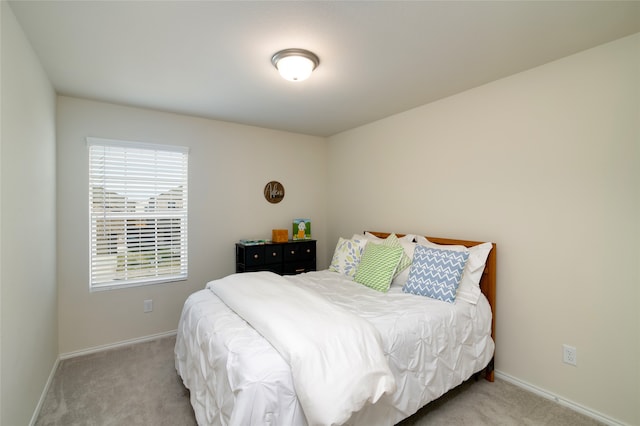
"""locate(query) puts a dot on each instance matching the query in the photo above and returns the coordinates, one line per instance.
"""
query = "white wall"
(546, 164)
(28, 313)
(229, 165)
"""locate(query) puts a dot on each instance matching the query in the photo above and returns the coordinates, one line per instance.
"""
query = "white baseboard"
(43, 395)
(560, 400)
(108, 346)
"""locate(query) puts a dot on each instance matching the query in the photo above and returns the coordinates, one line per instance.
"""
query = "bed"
(262, 349)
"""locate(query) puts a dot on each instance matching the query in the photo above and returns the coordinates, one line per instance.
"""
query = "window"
(138, 209)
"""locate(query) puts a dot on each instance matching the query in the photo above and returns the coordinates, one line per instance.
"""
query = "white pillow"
(469, 288)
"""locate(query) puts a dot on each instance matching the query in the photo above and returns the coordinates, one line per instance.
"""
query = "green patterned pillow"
(378, 265)
(405, 261)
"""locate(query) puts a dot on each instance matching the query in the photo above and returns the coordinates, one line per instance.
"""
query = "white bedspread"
(236, 377)
(336, 359)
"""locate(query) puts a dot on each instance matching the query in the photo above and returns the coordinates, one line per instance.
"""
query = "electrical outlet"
(569, 355)
(148, 306)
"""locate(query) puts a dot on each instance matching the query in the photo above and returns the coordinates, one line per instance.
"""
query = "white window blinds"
(138, 210)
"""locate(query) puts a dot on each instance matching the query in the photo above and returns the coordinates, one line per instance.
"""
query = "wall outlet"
(569, 355)
(148, 306)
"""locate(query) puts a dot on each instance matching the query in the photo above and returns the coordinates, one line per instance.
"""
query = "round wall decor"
(274, 192)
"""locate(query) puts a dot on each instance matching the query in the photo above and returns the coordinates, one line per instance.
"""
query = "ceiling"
(377, 58)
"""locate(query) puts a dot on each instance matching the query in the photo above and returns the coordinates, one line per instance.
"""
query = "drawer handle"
(293, 252)
(255, 256)
(274, 254)
(308, 250)
(300, 270)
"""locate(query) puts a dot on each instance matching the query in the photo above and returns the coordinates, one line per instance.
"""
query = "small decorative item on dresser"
(279, 235)
(301, 229)
(253, 242)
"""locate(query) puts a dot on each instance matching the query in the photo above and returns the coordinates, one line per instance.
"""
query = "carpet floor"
(138, 385)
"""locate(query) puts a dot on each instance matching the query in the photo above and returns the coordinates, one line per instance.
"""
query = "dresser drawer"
(272, 254)
(298, 267)
(300, 251)
(253, 255)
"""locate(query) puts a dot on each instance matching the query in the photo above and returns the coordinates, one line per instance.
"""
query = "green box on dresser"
(289, 258)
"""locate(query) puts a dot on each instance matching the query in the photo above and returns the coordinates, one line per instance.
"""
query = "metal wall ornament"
(274, 192)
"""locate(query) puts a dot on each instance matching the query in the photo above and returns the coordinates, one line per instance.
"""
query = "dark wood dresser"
(292, 257)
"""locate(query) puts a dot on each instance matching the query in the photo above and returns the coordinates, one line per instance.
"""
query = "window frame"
(138, 213)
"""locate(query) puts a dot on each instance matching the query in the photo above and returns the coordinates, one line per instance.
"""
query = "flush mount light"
(295, 64)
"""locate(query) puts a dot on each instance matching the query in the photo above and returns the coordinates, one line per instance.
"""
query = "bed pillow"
(469, 288)
(377, 266)
(436, 273)
(346, 256)
(405, 261)
(406, 242)
(401, 278)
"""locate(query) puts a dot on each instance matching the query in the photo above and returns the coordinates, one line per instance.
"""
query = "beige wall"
(229, 165)
(28, 311)
(546, 164)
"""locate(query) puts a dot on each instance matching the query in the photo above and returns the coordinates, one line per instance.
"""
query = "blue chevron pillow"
(436, 273)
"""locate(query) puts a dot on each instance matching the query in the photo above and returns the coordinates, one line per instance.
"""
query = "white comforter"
(236, 377)
(336, 359)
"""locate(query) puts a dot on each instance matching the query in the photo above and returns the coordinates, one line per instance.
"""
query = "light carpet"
(138, 385)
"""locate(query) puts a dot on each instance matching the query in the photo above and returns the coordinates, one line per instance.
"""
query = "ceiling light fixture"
(295, 64)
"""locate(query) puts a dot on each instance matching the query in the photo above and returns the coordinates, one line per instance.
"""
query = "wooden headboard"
(487, 282)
